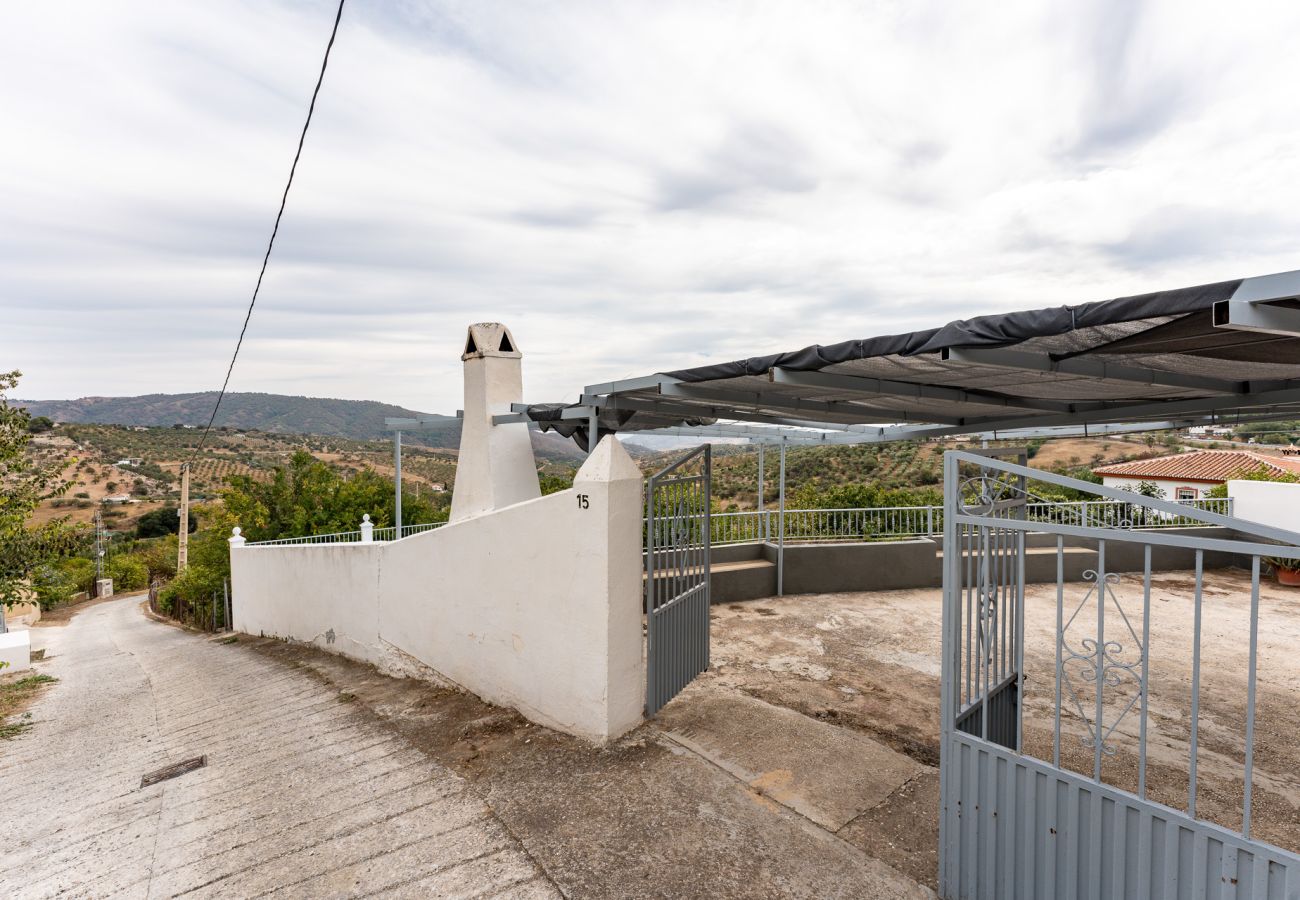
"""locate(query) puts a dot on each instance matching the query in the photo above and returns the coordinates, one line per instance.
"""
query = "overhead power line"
(284, 198)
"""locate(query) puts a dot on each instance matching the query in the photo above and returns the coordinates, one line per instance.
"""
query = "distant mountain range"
(356, 419)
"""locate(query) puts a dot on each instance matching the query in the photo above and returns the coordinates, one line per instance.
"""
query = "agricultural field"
(94, 454)
(887, 466)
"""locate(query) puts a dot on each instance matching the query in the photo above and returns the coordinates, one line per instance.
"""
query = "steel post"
(397, 481)
(780, 530)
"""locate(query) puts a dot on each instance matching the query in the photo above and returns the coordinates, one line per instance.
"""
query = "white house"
(1190, 476)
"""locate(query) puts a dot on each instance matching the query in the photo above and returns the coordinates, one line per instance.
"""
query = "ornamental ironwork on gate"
(677, 545)
(1060, 801)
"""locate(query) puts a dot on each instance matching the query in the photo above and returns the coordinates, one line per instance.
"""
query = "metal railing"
(351, 537)
(861, 524)
(900, 522)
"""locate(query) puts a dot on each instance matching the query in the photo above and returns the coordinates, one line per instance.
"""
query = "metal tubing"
(397, 481)
(1060, 640)
(1196, 688)
(780, 527)
(762, 521)
(1146, 670)
(1100, 664)
(1250, 697)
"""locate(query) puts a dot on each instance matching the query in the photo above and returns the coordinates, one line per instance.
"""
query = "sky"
(630, 187)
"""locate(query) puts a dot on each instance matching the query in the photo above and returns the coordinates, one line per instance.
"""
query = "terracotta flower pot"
(1288, 576)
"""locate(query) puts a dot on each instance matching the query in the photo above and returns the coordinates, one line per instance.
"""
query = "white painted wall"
(1168, 486)
(323, 594)
(16, 650)
(536, 606)
(1266, 502)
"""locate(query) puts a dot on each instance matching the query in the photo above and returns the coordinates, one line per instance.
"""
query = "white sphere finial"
(365, 517)
(236, 531)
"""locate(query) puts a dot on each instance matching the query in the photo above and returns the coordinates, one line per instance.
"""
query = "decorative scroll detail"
(988, 493)
(1116, 670)
(683, 528)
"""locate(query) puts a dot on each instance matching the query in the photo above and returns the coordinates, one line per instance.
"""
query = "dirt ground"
(870, 662)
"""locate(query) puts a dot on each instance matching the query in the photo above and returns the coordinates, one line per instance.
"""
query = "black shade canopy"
(1228, 350)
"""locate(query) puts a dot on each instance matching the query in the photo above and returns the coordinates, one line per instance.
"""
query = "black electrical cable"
(274, 231)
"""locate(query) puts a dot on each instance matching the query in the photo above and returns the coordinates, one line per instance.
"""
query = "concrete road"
(302, 794)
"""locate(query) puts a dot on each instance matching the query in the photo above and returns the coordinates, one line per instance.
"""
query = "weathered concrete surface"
(304, 794)
(828, 774)
(640, 818)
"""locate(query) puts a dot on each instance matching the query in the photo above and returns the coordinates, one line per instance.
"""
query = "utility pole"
(99, 548)
(183, 545)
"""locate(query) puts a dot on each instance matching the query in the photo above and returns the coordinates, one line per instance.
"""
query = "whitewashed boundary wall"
(1273, 503)
(535, 606)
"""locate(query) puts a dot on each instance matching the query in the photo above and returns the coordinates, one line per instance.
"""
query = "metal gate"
(677, 545)
(1075, 820)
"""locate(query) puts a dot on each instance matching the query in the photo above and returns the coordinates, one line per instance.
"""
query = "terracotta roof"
(1203, 465)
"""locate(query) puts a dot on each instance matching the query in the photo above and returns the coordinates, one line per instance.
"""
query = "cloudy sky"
(631, 187)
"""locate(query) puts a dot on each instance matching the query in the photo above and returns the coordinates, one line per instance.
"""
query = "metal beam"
(860, 385)
(1090, 368)
(1235, 315)
(670, 408)
(627, 385)
(412, 424)
(1158, 409)
(855, 413)
(510, 418)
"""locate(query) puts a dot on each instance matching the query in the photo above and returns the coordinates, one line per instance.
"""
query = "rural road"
(302, 794)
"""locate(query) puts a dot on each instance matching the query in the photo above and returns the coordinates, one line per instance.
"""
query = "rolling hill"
(359, 420)
(356, 419)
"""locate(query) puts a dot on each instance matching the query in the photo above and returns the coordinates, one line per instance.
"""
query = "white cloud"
(632, 187)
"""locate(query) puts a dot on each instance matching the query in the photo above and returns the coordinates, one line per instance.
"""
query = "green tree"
(128, 571)
(40, 425)
(163, 521)
(24, 483)
(309, 497)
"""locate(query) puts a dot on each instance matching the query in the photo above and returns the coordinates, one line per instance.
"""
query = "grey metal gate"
(1076, 821)
(677, 545)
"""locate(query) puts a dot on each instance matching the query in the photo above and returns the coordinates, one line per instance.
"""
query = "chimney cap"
(490, 339)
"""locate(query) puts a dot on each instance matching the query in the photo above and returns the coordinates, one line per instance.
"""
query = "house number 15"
(583, 501)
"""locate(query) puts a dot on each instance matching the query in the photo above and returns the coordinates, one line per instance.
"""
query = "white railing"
(864, 524)
(350, 537)
(901, 522)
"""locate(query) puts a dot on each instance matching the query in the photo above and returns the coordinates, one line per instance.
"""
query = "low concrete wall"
(536, 606)
(323, 594)
(895, 565)
(15, 651)
(1273, 503)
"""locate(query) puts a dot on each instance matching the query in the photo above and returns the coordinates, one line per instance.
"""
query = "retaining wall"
(536, 606)
(895, 565)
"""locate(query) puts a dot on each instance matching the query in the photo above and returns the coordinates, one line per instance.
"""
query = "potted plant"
(1287, 570)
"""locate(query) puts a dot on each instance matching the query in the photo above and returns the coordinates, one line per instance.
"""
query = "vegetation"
(309, 497)
(159, 522)
(13, 697)
(24, 482)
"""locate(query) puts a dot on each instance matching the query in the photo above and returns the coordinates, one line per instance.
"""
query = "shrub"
(128, 571)
(159, 558)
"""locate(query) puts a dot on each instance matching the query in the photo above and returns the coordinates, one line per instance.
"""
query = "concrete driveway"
(301, 794)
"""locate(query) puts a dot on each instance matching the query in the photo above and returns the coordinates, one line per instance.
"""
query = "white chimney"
(496, 466)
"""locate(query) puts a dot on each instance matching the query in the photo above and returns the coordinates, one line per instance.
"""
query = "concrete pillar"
(613, 603)
(495, 468)
(368, 530)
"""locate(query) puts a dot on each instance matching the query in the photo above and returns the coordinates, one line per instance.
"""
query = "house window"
(1185, 493)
